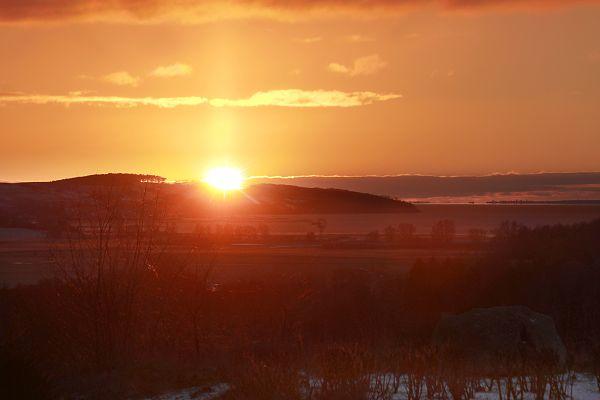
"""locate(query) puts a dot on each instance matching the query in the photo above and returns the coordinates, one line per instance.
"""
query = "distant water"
(465, 216)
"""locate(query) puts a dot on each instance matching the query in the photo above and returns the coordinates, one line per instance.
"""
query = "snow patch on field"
(195, 393)
(584, 388)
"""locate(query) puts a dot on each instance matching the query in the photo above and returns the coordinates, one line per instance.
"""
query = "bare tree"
(406, 231)
(443, 231)
(390, 234)
(321, 224)
(477, 236)
(111, 248)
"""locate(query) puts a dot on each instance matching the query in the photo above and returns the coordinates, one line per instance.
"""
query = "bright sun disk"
(224, 178)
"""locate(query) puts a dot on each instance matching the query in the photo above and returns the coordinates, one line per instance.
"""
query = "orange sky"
(325, 88)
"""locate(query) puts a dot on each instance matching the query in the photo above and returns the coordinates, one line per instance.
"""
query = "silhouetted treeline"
(109, 180)
(554, 269)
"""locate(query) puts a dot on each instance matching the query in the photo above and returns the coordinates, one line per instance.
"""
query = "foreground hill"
(23, 204)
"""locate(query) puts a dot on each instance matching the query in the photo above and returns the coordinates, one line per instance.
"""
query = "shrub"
(22, 378)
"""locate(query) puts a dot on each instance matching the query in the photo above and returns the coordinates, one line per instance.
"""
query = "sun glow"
(224, 178)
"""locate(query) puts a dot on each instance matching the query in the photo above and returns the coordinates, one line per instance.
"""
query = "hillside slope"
(37, 203)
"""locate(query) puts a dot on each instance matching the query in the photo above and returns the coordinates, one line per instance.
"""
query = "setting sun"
(224, 178)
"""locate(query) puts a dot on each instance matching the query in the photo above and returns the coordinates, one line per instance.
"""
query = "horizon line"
(325, 176)
(509, 173)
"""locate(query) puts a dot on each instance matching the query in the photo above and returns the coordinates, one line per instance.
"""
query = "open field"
(27, 262)
(24, 258)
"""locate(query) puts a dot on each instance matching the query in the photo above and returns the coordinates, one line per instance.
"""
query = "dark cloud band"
(199, 10)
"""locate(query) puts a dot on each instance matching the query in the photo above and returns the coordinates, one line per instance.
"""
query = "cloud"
(338, 68)
(357, 38)
(412, 35)
(594, 55)
(306, 98)
(204, 10)
(74, 98)
(571, 185)
(170, 71)
(437, 74)
(122, 78)
(368, 65)
(295, 98)
(309, 40)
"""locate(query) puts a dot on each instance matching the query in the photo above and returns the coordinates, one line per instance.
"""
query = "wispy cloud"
(338, 68)
(437, 74)
(358, 38)
(122, 78)
(412, 35)
(170, 71)
(295, 98)
(306, 98)
(308, 40)
(74, 98)
(594, 55)
(204, 10)
(362, 66)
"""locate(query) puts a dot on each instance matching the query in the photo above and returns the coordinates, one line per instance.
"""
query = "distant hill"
(39, 203)
(297, 199)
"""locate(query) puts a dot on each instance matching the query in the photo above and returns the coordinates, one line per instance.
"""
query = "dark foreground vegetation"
(130, 312)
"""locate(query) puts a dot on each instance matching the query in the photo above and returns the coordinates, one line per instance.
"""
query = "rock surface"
(493, 339)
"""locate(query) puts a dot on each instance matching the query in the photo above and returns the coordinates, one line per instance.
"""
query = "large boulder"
(499, 338)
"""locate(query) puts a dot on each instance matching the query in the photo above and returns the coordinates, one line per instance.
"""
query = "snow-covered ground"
(195, 393)
(584, 388)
